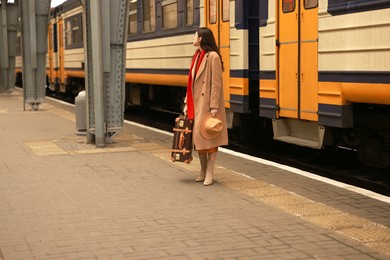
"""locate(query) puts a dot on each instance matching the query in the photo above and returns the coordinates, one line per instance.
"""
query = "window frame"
(72, 31)
(133, 13)
(167, 3)
(213, 11)
(192, 13)
(224, 19)
(310, 7)
(289, 10)
(152, 27)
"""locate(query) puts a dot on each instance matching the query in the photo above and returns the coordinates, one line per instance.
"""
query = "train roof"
(64, 7)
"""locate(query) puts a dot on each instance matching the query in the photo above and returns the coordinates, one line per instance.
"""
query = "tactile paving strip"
(103, 150)
(369, 233)
(224, 175)
(310, 209)
(45, 148)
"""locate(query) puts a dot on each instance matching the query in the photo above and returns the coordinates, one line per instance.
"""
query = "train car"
(65, 59)
(159, 51)
(312, 73)
(325, 74)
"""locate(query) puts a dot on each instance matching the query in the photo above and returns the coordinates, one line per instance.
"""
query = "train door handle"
(300, 76)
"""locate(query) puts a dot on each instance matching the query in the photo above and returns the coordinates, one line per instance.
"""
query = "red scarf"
(190, 98)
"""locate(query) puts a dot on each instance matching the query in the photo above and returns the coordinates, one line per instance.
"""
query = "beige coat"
(208, 93)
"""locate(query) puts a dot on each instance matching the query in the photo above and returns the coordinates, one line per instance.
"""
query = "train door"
(298, 59)
(217, 19)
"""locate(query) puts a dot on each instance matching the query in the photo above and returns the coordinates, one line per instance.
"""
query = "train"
(312, 73)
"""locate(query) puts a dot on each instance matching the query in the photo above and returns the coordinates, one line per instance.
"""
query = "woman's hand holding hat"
(210, 127)
(213, 112)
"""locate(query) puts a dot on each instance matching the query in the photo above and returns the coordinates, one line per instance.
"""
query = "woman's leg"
(203, 166)
(210, 169)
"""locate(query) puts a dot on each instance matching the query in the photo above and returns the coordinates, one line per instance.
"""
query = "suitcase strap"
(181, 140)
(183, 151)
(186, 130)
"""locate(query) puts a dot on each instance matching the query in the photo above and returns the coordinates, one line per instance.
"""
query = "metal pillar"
(105, 41)
(8, 20)
(34, 16)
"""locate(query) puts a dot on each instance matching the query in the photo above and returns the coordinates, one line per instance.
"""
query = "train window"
(132, 27)
(73, 32)
(149, 15)
(68, 33)
(225, 10)
(54, 44)
(213, 11)
(288, 6)
(76, 31)
(190, 12)
(169, 14)
(311, 4)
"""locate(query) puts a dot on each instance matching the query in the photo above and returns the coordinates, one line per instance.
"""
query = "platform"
(61, 198)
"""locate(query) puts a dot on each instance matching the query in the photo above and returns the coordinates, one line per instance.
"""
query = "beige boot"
(210, 169)
(203, 167)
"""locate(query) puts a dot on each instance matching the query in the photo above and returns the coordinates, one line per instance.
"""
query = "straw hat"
(210, 127)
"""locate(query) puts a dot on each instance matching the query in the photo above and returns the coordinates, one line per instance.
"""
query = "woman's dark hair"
(208, 41)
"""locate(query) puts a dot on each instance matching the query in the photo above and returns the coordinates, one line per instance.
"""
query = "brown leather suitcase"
(182, 140)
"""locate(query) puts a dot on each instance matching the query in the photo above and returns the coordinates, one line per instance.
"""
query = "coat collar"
(202, 65)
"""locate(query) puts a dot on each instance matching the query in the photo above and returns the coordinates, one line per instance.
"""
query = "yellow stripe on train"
(157, 79)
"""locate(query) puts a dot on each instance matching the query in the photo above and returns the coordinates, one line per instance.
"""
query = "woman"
(205, 102)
